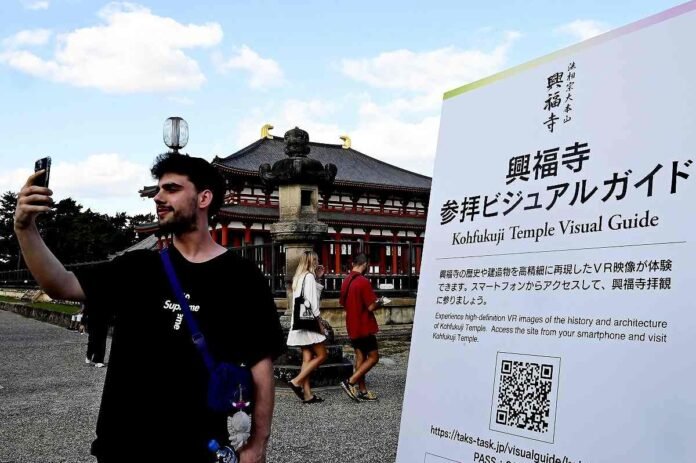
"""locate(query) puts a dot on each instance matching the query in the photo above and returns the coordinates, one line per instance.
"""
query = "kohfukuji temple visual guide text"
(554, 320)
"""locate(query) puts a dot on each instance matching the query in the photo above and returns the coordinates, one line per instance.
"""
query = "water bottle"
(223, 454)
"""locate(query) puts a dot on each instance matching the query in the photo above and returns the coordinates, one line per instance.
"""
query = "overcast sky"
(90, 83)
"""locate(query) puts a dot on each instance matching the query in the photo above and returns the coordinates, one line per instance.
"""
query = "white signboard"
(555, 316)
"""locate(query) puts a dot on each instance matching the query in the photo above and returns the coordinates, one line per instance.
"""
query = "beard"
(180, 221)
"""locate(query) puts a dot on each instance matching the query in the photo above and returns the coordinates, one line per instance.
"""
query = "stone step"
(30, 294)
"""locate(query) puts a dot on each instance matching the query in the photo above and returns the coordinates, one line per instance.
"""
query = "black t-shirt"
(154, 397)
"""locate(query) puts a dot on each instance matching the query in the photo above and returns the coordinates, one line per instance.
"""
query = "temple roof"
(148, 243)
(354, 167)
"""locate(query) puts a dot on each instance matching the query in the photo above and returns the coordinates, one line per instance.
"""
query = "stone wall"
(399, 312)
(30, 294)
(48, 316)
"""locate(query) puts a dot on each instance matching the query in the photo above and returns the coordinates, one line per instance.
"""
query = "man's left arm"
(264, 396)
(371, 300)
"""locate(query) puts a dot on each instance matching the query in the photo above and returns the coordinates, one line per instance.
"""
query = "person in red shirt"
(360, 302)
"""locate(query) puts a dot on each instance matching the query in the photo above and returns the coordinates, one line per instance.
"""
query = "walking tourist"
(76, 321)
(311, 342)
(97, 329)
(360, 302)
(154, 405)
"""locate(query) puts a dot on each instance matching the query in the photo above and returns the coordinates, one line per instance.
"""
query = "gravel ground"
(49, 400)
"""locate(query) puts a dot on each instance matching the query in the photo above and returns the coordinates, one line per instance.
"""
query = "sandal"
(299, 392)
(314, 400)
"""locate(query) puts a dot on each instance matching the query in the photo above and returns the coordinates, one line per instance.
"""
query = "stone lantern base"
(298, 237)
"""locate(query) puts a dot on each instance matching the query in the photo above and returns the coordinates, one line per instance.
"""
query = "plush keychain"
(239, 424)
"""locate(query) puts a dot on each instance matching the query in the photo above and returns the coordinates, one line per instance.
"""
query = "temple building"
(372, 206)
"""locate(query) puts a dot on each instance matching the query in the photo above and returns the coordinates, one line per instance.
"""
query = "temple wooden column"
(366, 246)
(337, 251)
(214, 234)
(382, 258)
(267, 192)
(236, 239)
(395, 253)
(419, 253)
(267, 250)
(325, 248)
(405, 256)
(404, 204)
(354, 198)
(247, 233)
(224, 234)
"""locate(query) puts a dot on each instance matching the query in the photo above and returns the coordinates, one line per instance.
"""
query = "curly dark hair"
(199, 171)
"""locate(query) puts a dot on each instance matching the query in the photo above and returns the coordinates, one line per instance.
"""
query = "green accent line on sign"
(503, 74)
(649, 21)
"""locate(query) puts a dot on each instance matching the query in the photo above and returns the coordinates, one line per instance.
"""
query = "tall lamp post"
(175, 133)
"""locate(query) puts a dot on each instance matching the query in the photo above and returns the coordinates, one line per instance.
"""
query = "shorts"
(365, 344)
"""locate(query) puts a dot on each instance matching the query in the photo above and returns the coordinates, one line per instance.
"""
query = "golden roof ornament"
(346, 141)
(266, 131)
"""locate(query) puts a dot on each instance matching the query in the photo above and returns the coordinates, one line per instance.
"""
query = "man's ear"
(205, 197)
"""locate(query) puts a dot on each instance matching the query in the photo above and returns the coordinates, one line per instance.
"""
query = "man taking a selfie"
(154, 400)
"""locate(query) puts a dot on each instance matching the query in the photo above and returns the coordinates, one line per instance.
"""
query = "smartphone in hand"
(43, 164)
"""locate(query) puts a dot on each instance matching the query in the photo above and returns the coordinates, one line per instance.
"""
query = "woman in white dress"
(312, 343)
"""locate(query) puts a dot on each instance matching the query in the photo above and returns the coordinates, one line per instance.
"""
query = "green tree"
(9, 248)
(73, 234)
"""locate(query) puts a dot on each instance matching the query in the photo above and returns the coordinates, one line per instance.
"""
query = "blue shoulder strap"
(196, 335)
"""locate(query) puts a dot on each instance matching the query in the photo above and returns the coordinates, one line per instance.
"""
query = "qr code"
(525, 391)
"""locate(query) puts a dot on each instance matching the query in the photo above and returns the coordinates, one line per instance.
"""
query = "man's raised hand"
(31, 201)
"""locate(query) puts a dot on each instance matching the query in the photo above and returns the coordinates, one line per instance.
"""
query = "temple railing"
(368, 209)
(270, 259)
(394, 267)
(373, 210)
(22, 278)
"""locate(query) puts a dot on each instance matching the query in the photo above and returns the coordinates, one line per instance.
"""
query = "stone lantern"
(298, 179)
